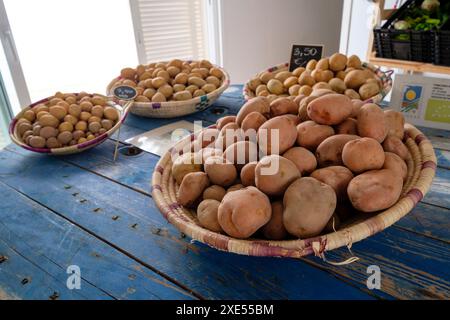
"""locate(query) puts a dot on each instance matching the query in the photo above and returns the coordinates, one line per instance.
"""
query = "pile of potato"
(343, 160)
(175, 80)
(66, 120)
(339, 73)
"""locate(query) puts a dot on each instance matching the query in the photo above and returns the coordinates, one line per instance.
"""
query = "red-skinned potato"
(273, 174)
(225, 120)
(184, 164)
(220, 171)
(348, 126)
(229, 134)
(248, 174)
(206, 137)
(241, 153)
(363, 154)
(283, 106)
(304, 160)
(371, 122)
(396, 164)
(375, 190)
(308, 206)
(287, 135)
(395, 145)
(207, 214)
(395, 123)
(329, 152)
(274, 229)
(241, 213)
(330, 109)
(337, 177)
(311, 134)
(258, 104)
(356, 106)
(191, 188)
(253, 120)
(214, 192)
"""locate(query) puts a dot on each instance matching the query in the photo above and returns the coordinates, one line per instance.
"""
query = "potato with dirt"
(274, 173)
(375, 190)
(308, 206)
(242, 212)
(191, 188)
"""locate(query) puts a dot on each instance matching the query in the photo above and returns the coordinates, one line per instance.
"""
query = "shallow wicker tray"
(385, 78)
(421, 170)
(123, 111)
(172, 109)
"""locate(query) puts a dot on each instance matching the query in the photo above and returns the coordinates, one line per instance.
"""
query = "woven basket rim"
(421, 170)
(384, 76)
(69, 149)
(175, 108)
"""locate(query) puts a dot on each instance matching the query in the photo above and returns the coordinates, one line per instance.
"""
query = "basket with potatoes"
(342, 74)
(66, 123)
(174, 88)
(267, 183)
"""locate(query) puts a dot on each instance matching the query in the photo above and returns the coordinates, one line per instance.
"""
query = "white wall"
(257, 34)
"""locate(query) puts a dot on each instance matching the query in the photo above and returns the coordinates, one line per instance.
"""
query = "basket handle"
(389, 73)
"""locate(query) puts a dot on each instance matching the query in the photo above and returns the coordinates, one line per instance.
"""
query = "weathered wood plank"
(443, 158)
(22, 279)
(134, 224)
(412, 266)
(53, 243)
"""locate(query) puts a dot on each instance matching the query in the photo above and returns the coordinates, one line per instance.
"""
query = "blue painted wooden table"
(89, 211)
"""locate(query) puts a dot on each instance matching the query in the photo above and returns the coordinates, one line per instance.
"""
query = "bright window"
(71, 45)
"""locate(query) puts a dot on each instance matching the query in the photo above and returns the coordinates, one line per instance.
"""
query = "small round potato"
(191, 188)
(274, 229)
(248, 174)
(242, 212)
(207, 136)
(273, 174)
(207, 214)
(375, 190)
(337, 62)
(363, 154)
(214, 192)
(337, 177)
(235, 187)
(275, 86)
(310, 134)
(241, 153)
(304, 160)
(220, 171)
(308, 206)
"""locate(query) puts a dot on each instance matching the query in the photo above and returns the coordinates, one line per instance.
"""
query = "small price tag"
(125, 93)
(301, 54)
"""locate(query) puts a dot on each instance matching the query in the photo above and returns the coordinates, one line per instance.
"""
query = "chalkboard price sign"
(125, 92)
(301, 54)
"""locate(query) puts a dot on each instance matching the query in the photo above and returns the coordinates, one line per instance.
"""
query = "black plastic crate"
(411, 45)
(442, 53)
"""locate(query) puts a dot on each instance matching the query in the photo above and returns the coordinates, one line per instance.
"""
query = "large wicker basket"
(421, 170)
(172, 109)
(15, 137)
(384, 77)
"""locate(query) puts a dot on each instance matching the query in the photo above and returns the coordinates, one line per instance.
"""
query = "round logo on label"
(125, 92)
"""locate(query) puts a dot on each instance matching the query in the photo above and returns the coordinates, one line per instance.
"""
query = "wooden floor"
(87, 211)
